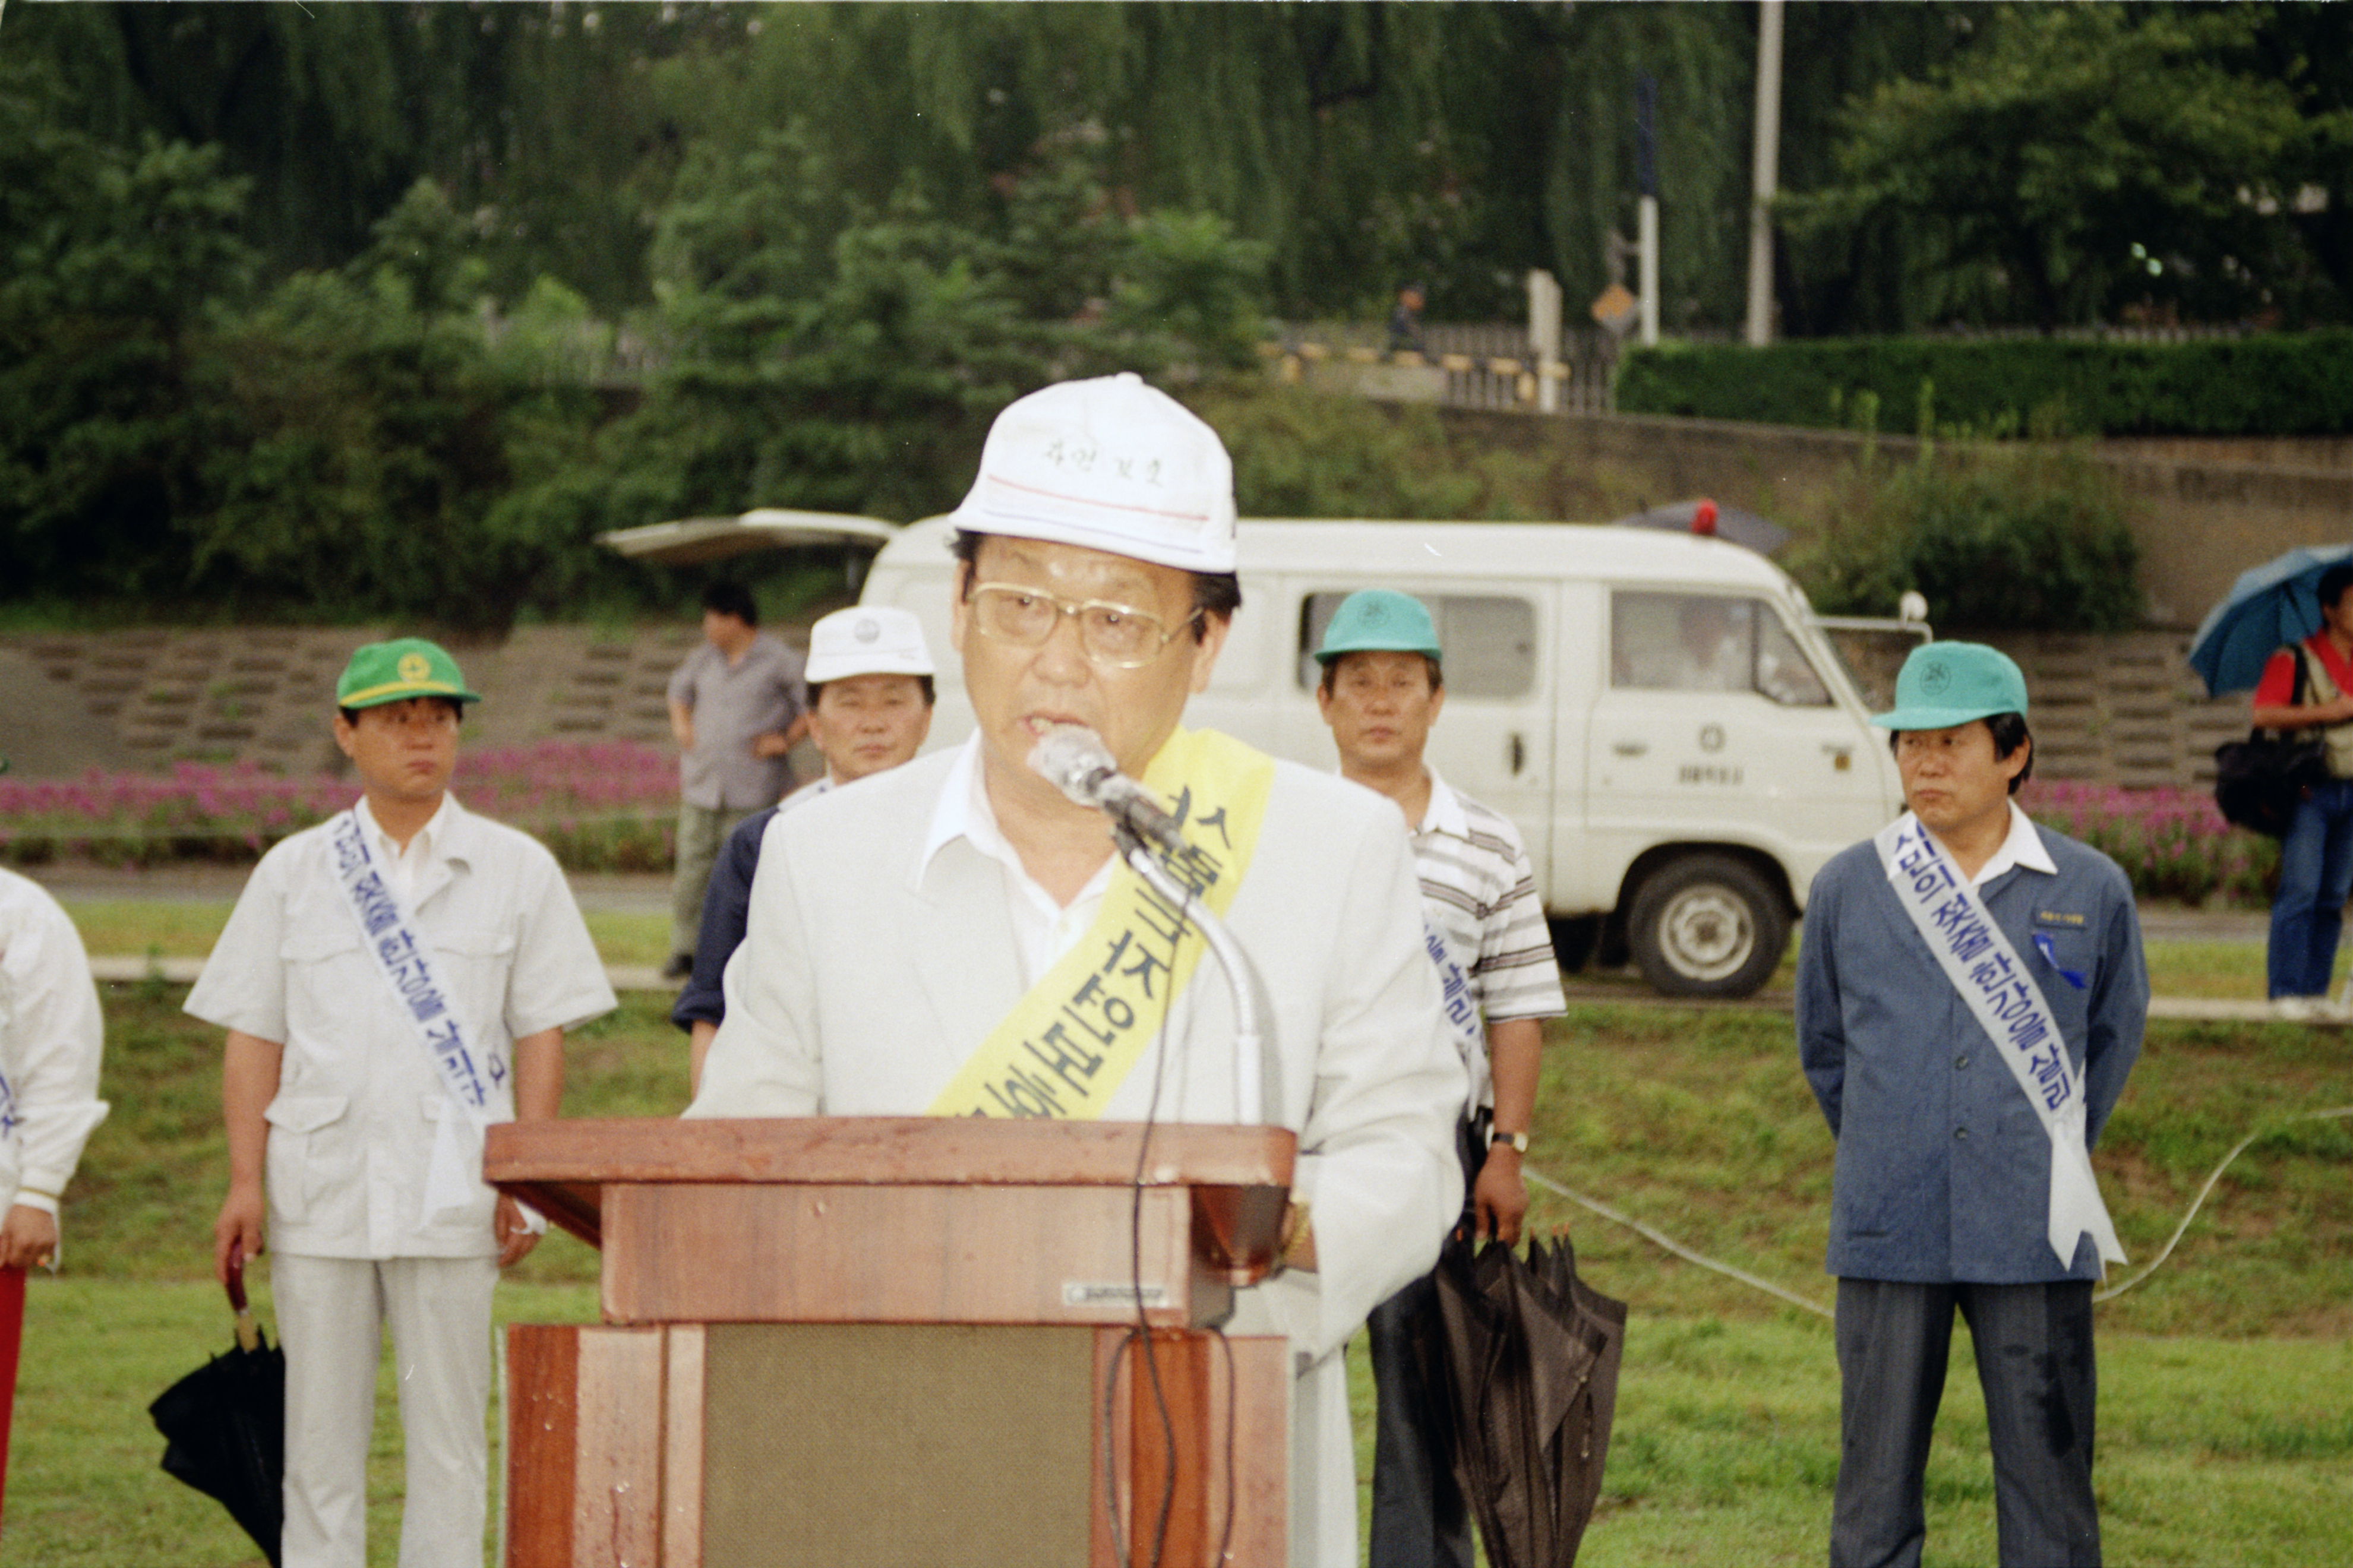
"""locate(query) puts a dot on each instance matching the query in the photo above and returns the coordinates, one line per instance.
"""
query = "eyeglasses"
(1118, 636)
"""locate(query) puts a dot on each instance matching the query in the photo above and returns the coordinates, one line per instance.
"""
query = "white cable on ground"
(2240, 1147)
(1671, 1245)
(1659, 1237)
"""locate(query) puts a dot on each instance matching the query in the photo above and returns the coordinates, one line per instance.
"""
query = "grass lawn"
(138, 928)
(2226, 1380)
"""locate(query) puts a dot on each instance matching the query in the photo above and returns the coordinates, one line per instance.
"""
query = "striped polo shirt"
(1479, 891)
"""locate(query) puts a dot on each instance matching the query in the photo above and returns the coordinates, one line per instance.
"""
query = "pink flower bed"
(2172, 841)
(608, 802)
(607, 806)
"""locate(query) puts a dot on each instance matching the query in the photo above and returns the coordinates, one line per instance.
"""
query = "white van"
(1678, 741)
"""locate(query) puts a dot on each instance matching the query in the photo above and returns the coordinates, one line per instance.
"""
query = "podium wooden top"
(563, 1165)
(924, 1150)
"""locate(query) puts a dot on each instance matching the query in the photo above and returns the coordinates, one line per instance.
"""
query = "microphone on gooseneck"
(1073, 759)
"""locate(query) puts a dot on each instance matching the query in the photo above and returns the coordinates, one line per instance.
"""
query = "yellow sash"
(1066, 1047)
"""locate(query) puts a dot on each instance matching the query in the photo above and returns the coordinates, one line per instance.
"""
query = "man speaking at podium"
(912, 936)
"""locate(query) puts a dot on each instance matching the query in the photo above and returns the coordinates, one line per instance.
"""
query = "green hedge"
(2283, 385)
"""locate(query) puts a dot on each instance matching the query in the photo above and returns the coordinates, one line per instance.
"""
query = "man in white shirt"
(909, 934)
(1383, 688)
(391, 981)
(50, 1035)
(50, 1039)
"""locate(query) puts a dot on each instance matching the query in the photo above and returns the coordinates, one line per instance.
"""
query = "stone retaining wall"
(147, 698)
(2204, 513)
(2122, 709)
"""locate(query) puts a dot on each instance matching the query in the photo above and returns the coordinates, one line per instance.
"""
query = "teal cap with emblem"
(395, 671)
(1378, 620)
(1948, 683)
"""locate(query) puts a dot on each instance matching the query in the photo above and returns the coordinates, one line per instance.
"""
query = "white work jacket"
(50, 1032)
(352, 1128)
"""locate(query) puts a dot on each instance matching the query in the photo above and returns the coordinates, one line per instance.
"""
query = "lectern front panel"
(897, 1445)
(981, 1254)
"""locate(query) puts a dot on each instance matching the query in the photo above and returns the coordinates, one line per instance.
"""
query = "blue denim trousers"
(2316, 879)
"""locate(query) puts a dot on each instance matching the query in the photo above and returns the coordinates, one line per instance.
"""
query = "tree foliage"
(1458, 145)
(859, 374)
(116, 259)
(252, 250)
(2278, 384)
(2081, 158)
(2027, 539)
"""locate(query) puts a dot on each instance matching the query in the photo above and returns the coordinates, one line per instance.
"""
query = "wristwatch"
(1518, 1141)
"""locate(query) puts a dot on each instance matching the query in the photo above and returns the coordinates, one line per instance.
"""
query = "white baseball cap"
(1111, 464)
(867, 639)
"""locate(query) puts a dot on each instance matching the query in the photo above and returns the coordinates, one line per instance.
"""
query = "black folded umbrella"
(1531, 1354)
(226, 1425)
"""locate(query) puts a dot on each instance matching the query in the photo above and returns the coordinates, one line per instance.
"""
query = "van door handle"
(1629, 748)
(1519, 751)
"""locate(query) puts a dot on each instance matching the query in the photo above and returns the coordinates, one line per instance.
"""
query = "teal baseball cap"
(1948, 683)
(1378, 620)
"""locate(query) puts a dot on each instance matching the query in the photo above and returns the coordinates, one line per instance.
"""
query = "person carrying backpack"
(2316, 853)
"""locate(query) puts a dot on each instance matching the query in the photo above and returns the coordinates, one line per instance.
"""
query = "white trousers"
(331, 1317)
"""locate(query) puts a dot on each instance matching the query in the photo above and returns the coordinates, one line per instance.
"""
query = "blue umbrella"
(2275, 604)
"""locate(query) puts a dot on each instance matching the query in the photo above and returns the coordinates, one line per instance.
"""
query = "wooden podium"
(899, 1342)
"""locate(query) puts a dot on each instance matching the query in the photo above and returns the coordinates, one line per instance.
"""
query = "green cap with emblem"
(1948, 683)
(1378, 620)
(395, 671)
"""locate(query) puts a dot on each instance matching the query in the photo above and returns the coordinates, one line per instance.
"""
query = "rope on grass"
(1651, 1233)
(2237, 1150)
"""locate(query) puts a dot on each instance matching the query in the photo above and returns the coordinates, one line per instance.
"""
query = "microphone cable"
(1121, 1547)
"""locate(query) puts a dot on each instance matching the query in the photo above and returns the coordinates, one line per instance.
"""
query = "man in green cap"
(1381, 692)
(391, 982)
(1970, 999)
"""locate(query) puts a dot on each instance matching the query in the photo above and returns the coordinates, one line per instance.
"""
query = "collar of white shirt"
(1043, 930)
(1444, 813)
(403, 865)
(2023, 847)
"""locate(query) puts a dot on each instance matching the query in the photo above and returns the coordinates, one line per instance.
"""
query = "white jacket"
(871, 973)
(352, 1128)
(51, 1031)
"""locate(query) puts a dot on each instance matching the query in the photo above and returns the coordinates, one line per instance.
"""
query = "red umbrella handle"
(12, 1339)
(248, 1336)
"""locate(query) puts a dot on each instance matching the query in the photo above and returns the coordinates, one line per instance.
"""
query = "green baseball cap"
(395, 671)
(1948, 683)
(1378, 620)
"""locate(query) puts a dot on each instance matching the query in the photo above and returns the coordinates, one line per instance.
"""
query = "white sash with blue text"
(1462, 1019)
(455, 1175)
(2009, 1007)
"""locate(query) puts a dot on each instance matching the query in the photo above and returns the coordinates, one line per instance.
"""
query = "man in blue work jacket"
(1970, 997)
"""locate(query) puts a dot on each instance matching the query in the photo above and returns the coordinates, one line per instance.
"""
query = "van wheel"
(1707, 925)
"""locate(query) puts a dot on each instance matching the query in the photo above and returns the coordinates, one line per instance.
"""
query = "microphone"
(1073, 759)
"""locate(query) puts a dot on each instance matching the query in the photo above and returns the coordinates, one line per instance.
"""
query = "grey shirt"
(1944, 1169)
(760, 694)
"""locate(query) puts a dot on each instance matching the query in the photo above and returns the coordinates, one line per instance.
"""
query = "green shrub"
(2284, 384)
(1312, 454)
(2027, 539)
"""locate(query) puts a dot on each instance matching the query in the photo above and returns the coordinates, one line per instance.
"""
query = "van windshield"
(1708, 642)
(1870, 658)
